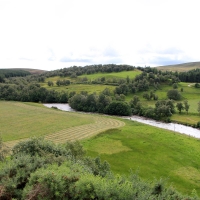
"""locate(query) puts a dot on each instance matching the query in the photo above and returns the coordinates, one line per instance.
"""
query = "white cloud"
(51, 34)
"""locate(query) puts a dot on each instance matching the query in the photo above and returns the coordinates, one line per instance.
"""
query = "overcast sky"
(53, 34)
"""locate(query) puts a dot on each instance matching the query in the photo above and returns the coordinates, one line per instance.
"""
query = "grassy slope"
(180, 67)
(23, 120)
(190, 93)
(117, 75)
(91, 88)
(152, 151)
(81, 87)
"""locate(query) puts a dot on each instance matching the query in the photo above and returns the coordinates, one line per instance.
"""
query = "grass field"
(86, 87)
(190, 93)
(125, 144)
(25, 120)
(151, 151)
(82, 87)
(116, 75)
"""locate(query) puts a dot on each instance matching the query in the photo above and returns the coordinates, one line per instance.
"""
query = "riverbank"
(168, 126)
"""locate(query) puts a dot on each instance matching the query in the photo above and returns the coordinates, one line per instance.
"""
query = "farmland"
(21, 121)
(126, 145)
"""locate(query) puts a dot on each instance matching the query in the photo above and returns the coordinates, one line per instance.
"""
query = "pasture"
(113, 75)
(93, 88)
(126, 145)
(151, 152)
(90, 88)
(190, 93)
(24, 120)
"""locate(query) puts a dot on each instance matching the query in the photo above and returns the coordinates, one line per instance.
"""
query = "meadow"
(151, 152)
(90, 88)
(93, 88)
(113, 75)
(24, 120)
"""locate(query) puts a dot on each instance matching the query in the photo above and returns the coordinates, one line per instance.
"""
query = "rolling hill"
(180, 67)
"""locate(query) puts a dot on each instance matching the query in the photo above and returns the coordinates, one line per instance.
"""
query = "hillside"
(32, 71)
(180, 67)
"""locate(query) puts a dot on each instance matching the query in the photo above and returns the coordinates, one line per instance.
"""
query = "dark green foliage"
(136, 107)
(198, 124)
(50, 83)
(118, 108)
(3, 150)
(89, 69)
(101, 103)
(186, 106)
(122, 89)
(31, 93)
(174, 94)
(175, 86)
(39, 147)
(197, 85)
(30, 174)
(13, 73)
(62, 82)
(180, 106)
(190, 76)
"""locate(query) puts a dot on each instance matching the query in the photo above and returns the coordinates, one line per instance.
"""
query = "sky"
(54, 34)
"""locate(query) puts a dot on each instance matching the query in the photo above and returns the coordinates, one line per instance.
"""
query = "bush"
(174, 94)
(118, 108)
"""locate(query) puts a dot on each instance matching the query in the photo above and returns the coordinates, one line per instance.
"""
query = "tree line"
(32, 92)
(6, 73)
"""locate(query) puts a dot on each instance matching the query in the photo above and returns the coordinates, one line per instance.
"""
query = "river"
(169, 126)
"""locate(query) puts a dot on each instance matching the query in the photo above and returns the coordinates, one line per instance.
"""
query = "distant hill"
(180, 67)
(32, 71)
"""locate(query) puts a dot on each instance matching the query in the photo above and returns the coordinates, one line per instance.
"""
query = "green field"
(81, 87)
(152, 152)
(126, 145)
(113, 75)
(90, 88)
(190, 93)
(25, 120)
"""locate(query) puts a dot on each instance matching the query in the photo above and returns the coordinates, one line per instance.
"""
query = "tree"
(198, 109)
(175, 86)
(174, 94)
(3, 150)
(180, 106)
(118, 108)
(187, 106)
(50, 83)
(146, 96)
(163, 109)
